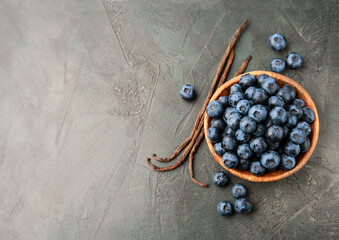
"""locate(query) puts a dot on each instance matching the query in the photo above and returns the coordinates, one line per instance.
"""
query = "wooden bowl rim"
(301, 162)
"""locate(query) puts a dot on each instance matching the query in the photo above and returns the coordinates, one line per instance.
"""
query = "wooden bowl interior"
(301, 158)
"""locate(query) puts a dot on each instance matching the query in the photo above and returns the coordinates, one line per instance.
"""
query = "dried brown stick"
(227, 68)
(243, 66)
(191, 158)
(215, 80)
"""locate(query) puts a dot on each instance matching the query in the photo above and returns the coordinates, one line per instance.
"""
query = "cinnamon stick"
(227, 68)
(243, 66)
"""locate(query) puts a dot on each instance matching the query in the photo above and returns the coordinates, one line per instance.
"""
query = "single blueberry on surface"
(274, 133)
(291, 121)
(277, 42)
(229, 143)
(294, 60)
(218, 149)
(228, 112)
(243, 106)
(242, 205)
(214, 135)
(308, 115)
(187, 92)
(215, 109)
(305, 127)
(270, 160)
(236, 88)
(218, 123)
(223, 100)
(258, 113)
(295, 110)
(244, 151)
(242, 137)
(220, 179)
(305, 145)
(247, 80)
(277, 65)
(297, 136)
(261, 78)
(292, 149)
(257, 169)
(258, 144)
(260, 130)
(278, 115)
(276, 101)
(249, 92)
(287, 162)
(259, 96)
(234, 98)
(269, 85)
(244, 164)
(248, 125)
(230, 160)
(229, 132)
(238, 191)
(299, 102)
(225, 208)
(233, 120)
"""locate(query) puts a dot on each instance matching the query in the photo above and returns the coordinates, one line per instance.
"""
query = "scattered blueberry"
(258, 144)
(230, 160)
(215, 109)
(238, 191)
(257, 169)
(236, 88)
(218, 123)
(305, 145)
(242, 137)
(243, 106)
(244, 151)
(308, 115)
(223, 100)
(294, 60)
(297, 136)
(242, 205)
(220, 179)
(247, 80)
(287, 162)
(244, 164)
(260, 130)
(277, 42)
(233, 120)
(225, 208)
(274, 133)
(234, 98)
(214, 135)
(292, 149)
(259, 96)
(277, 65)
(229, 143)
(187, 92)
(258, 113)
(276, 101)
(269, 85)
(218, 149)
(305, 127)
(295, 110)
(278, 115)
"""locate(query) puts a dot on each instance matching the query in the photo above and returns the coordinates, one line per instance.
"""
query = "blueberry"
(269, 85)
(241, 136)
(308, 115)
(220, 179)
(295, 110)
(305, 127)
(285, 94)
(275, 101)
(234, 98)
(294, 60)
(247, 80)
(248, 125)
(214, 135)
(233, 120)
(292, 149)
(223, 100)
(277, 42)
(229, 132)
(305, 145)
(268, 123)
(273, 145)
(249, 92)
(230, 160)
(229, 143)
(225, 208)
(286, 131)
(261, 78)
(187, 92)
(270, 160)
(291, 121)
(278, 115)
(297, 136)
(242, 205)
(258, 113)
(244, 151)
(218, 123)
(236, 88)
(257, 169)
(215, 109)
(218, 149)
(260, 130)
(274, 133)
(299, 102)
(243, 106)
(259, 96)
(258, 144)
(277, 65)
(228, 112)
(244, 164)
(287, 162)
(291, 90)
(238, 191)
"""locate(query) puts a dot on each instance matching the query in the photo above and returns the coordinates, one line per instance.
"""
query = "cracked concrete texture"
(89, 89)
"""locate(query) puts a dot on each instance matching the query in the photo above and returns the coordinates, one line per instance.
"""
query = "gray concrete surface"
(89, 89)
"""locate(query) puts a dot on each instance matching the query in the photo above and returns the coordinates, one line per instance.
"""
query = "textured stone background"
(89, 89)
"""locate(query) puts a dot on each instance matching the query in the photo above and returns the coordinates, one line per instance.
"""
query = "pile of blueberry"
(293, 60)
(259, 127)
(238, 191)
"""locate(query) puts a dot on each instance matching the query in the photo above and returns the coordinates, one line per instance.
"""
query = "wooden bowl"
(301, 158)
